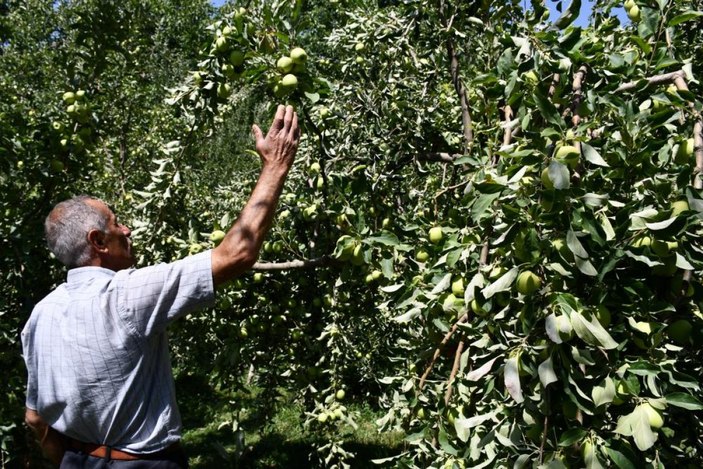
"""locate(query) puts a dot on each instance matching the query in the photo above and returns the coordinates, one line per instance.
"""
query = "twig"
(438, 350)
(455, 369)
(544, 438)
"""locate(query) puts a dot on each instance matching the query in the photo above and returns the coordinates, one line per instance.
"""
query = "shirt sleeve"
(150, 298)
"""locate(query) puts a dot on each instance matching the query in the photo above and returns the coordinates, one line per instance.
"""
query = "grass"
(270, 436)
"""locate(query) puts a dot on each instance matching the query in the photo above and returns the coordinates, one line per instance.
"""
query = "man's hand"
(240, 247)
(278, 149)
(51, 441)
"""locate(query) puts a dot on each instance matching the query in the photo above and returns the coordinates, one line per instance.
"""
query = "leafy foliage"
(553, 320)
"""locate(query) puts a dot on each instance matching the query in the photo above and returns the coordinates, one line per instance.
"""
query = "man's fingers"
(288, 119)
(258, 135)
(277, 124)
(294, 127)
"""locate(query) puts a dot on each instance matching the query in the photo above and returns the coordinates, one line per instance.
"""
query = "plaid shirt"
(97, 356)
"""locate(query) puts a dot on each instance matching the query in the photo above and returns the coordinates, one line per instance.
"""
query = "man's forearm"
(52, 442)
(241, 245)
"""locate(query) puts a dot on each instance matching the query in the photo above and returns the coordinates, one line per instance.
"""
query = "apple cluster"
(77, 133)
(633, 11)
(289, 68)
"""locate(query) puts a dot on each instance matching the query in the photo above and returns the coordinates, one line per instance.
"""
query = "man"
(100, 389)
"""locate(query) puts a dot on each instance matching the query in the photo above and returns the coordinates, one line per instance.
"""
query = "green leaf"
(559, 175)
(575, 245)
(620, 459)
(547, 109)
(386, 238)
(546, 372)
(570, 15)
(684, 400)
(481, 205)
(571, 436)
(682, 18)
(511, 378)
(603, 394)
(636, 425)
(592, 155)
(592, 332)
(504, 283)
(585, 266)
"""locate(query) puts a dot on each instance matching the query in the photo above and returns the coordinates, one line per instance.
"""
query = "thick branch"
(655, 80)
(301, 264)
(467, 125)
(577, 86)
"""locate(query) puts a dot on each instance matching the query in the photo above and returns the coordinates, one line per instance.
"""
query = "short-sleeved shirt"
(96, 350)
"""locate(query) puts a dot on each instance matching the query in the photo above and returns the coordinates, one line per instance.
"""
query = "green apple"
(224, 90)
(655, 418)
(340, 395)
(458, 287)
(314, 168)
(680, 331)
(476, 308)
(69, 97)
(322, 418)
(528, 282)
(284, 64)
(324, 112)
(236, 58)
(80, 95)
(569, 155)
(685, 151)
(546, 180)
(217, 236)
(422, 255)
(359, 59)
(298, 55)
(195, 248)
(634, 14)
(668, 269)
(603, 315)
(359, 47)
(258, 277)
(678, 207)
(56, 166)
(221, 44)
(289, 83)
(641, 241)
(436, 234)
(629, 4)
(530, 77)
(660, 248)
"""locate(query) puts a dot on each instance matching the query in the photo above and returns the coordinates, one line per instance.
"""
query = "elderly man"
(100, 388)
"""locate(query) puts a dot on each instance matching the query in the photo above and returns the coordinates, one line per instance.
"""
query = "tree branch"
(655, 80)
(438, 350)
(455, 370)
(300, 264)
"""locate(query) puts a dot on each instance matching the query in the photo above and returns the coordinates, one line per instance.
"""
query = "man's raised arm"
(240, 247)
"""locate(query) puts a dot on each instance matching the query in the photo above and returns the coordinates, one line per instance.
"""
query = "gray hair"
(67, 227)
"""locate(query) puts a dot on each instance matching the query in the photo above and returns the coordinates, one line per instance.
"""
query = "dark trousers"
(78, 460)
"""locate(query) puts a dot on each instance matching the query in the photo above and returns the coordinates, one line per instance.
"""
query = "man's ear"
(96, 238)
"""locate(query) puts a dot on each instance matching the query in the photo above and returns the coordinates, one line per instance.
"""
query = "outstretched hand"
(279, 146)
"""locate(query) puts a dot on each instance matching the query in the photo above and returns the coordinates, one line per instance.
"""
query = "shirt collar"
(83, 274)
